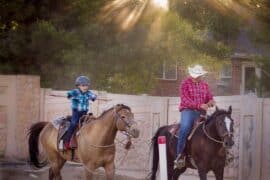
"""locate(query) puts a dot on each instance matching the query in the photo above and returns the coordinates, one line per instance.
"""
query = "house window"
(224, 83)
(168, 71)
(250, 80)
(250, 75)
(226, 72)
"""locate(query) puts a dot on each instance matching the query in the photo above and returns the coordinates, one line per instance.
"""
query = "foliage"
(61, 39)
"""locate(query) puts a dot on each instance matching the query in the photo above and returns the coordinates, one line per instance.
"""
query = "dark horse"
(205, 151)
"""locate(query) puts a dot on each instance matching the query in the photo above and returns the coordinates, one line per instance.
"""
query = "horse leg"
(202, 174)
(55, 169)
(219, 173)
(173, 173)
(178, 172)
(88, 174)
(170, 166)
(109, 170)
(89, 169)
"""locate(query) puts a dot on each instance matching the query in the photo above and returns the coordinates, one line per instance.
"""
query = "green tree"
(60, 40)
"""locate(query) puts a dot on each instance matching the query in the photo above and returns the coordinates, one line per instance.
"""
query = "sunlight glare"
(163, 4)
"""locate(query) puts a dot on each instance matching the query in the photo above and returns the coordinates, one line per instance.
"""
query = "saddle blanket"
(57, 122)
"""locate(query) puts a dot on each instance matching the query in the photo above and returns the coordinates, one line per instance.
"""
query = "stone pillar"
(8, 121)
(19, 107)
(3, 119)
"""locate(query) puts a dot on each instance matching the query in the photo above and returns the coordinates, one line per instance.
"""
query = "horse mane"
(121, 106)
(215, 114)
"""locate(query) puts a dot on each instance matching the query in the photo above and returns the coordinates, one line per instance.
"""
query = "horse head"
(125, 120)
(224, 126)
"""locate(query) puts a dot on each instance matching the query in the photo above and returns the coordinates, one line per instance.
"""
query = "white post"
(162, 157)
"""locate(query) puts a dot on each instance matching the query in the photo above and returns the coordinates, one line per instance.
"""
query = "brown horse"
(96, 146)
(205, 151)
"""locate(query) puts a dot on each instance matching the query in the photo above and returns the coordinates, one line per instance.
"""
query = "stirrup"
(61, 145)
(67, 145)
(179, 162)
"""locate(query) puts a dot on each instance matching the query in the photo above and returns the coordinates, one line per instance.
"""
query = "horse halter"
(118, 118)
(228, 133)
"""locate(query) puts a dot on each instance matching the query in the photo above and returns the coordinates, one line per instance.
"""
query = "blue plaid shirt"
(80, 100)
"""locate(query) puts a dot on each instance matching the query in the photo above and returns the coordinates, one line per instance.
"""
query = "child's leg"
(74, 121)
(82, 113)
(76, 115)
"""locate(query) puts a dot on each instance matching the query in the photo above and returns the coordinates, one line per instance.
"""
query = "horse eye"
(123, 117)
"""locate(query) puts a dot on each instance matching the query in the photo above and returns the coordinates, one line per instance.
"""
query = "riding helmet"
(82, 80)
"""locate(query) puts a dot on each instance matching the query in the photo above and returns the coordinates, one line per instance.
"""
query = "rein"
(211, 138)
(110, 145)
(105, 146)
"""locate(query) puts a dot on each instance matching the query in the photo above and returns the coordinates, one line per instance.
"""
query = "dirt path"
(21, 171)
(71, 171)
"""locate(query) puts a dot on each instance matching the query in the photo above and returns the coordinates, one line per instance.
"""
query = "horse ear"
(230, 110)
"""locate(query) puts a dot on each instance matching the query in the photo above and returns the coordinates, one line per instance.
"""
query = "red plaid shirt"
(194, 94)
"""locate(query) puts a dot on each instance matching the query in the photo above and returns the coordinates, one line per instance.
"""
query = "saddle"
(64, 123)
(174, 129)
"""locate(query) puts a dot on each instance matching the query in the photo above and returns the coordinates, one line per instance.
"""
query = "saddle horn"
(230, 109)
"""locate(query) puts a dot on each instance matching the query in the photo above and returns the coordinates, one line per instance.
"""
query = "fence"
(23, 102)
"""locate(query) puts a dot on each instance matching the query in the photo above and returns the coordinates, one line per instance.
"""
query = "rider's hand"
(204, 107)
(69, 96)
(211, 103)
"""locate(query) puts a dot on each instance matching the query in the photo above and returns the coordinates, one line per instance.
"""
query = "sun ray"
(125, 13)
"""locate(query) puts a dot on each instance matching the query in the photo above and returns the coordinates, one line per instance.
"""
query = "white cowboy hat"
(196, 71)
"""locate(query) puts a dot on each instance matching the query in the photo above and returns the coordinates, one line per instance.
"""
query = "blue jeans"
(76, 115)
(188, 117)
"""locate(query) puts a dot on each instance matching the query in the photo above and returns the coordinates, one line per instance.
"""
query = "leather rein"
(210, 137)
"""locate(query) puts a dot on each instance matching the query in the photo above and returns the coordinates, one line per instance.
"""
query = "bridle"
(118, 118)
(229, 134)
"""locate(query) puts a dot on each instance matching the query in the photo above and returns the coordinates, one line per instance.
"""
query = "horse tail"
(155, 158)
(33, 142)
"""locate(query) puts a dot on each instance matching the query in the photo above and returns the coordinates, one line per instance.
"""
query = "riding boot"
(179, 162)
(67, 145)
